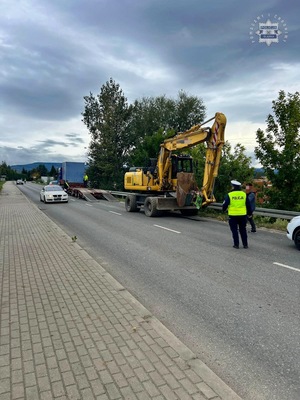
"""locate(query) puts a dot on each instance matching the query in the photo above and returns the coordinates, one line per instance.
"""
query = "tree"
(189, 111)
(155, 118)
(279, 152)
(235, 164)
(26, 174)
(5, 170)
(153, 113)
(42, 170)
(53, 172)
(149, 115)
(149, 148)
(107, 118)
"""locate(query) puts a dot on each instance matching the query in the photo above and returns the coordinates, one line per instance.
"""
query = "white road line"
(89, 205)
(113, 212)
(286, 266)
(167, 229)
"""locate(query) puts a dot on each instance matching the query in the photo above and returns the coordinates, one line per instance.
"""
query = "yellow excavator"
(169, 183)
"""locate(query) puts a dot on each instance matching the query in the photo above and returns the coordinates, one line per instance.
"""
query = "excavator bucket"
(186, 188)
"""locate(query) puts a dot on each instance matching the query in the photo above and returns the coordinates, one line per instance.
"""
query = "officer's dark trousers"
(238, 224)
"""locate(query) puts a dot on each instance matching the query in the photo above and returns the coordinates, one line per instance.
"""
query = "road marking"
(113, 212)
(167, 229)
(89, 205)
(286, 266)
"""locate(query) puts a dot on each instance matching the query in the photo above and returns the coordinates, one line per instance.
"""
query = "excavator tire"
(130, 203)
(150, 207)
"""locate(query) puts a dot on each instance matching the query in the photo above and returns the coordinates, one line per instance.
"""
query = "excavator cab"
(181, 163)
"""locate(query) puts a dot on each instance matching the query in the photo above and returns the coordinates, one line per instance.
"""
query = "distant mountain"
(48, 165)
(259, 170)
(29, 167)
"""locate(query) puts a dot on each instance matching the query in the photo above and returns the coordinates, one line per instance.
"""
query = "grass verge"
(260, 222)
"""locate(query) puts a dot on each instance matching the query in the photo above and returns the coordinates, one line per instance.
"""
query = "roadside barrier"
(264, 212)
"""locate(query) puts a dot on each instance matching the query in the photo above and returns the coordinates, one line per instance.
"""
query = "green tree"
(53, 172)
(149, 115)
(107, 118)
(5, 170)
(25, 174)
(153, 113)
(189, 111)
(278, 151)
(149, 148)
(42, 170)
(39, 171)
(155, 118)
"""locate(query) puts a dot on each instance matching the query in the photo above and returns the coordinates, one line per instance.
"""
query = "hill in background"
(29, 167)
(48, 165)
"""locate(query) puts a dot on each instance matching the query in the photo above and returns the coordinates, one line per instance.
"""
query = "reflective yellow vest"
(237, 205)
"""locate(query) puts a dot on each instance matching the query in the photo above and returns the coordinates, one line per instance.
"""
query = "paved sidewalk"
(68, 330)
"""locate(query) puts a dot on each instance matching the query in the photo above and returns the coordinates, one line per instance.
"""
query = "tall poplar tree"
(107, 117)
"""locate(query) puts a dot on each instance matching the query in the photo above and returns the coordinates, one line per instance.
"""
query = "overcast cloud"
(54, 52)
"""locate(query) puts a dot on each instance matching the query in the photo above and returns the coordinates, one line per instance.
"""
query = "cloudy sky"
(54, 52)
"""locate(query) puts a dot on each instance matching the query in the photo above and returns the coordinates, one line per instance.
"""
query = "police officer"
(85, 180)
(66, 185)
(238, 206)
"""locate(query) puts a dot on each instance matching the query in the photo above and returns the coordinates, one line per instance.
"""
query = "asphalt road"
(237, 309)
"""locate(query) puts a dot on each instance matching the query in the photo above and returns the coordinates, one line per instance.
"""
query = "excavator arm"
(214, 139)
(213, 157)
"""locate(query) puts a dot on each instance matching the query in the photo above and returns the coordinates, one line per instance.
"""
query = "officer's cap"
(235, 183)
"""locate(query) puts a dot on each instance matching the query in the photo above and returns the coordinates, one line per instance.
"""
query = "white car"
(293, 231)
(19, 182)
(53, 194)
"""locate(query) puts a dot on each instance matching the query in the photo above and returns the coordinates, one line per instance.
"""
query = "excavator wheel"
(150, 207)
(130, 203)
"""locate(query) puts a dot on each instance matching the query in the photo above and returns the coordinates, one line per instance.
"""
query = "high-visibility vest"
(237, 205)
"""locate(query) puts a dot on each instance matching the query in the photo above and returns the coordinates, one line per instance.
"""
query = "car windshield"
(53, 189)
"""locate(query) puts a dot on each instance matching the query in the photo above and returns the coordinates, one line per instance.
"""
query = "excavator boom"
(172, 175)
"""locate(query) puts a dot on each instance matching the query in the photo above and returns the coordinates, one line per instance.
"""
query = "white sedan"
(293, 231)
(53, 194)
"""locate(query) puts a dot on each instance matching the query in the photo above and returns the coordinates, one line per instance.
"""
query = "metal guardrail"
(264, 212)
